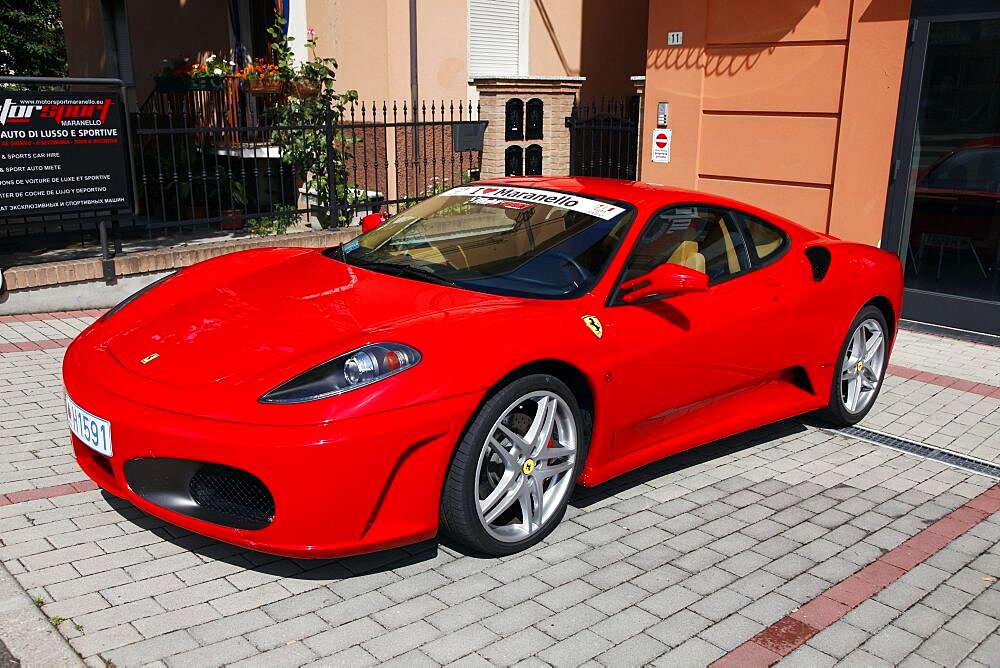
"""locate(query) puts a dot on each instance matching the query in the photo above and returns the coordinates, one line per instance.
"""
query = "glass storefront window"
(953, 247)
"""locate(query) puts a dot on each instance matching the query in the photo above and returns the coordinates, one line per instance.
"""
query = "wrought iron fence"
(604, 138)
(380, 156)
(221, 163)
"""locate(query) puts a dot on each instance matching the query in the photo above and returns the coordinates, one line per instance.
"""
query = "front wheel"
(860, 369)
(515, 467)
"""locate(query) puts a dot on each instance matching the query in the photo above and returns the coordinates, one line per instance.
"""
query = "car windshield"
(503, 240)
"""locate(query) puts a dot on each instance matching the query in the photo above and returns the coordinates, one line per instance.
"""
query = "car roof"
(643, 194)
(636, 192)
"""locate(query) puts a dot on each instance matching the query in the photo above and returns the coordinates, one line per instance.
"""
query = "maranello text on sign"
(572, 202)
(62, 152)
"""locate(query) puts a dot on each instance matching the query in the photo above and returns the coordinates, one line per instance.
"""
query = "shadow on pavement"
(376, 562)
(584, 497)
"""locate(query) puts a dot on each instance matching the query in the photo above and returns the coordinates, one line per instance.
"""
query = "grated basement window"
(513, 161)
(533, 160)
(534, 117)
(514, 120)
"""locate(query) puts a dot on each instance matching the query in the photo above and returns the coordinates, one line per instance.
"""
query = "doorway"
(943, 214)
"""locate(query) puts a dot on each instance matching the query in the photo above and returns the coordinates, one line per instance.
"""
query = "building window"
(533, 119)
(514, 120)
(533, 160)
(498, 37)
(513, 160)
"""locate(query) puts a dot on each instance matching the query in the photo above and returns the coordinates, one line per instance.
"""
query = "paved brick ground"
(679, 563)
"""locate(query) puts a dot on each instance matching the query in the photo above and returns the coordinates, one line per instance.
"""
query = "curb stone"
(27, 638)
(7, 660)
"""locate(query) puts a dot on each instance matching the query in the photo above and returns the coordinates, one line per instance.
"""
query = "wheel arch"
(883, 304)
(568, 373)
(574, 378)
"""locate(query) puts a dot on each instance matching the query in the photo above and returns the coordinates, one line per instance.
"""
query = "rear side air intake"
(819, 258)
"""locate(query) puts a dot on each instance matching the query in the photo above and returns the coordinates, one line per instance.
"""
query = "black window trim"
(757, 262)
(753, 262)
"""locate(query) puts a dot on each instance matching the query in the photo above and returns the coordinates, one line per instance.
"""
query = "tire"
(498, 474)
(846, 408)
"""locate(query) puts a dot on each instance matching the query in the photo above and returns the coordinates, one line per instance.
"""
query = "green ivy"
(304, 123)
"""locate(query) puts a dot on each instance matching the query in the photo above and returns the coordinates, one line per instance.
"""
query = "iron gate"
(604, 138)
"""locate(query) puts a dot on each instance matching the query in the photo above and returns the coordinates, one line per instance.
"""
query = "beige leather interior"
(731, 258)
(428, 254)
(765, 249)
(688, 256)
(541, 231)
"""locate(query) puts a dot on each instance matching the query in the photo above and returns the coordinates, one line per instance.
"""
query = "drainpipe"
(414, 89)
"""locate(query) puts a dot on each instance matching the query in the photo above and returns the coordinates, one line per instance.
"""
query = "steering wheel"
(584, 274)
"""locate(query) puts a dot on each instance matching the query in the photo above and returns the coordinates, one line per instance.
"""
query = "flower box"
(187, 84)
(208, 83)
(306, 89)
(264, 86)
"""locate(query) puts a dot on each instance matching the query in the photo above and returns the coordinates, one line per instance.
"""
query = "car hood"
(302, 309)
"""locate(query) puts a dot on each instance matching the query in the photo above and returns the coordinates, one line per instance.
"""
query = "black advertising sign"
(62, 153)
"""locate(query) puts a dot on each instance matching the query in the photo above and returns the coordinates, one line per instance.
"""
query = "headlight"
(135, 295)
(358, 368)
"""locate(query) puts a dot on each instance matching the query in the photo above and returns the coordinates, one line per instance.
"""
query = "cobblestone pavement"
(681, 563)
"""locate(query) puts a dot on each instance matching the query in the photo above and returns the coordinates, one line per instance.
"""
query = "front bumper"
(342, 488)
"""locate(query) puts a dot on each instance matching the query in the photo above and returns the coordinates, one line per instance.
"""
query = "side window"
(765, 239)
(700, 238)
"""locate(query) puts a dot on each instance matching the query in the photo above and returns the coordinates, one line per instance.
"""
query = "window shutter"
(494, 37)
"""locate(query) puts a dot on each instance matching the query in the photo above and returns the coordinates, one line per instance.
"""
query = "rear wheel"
(515, 468)
(860, 369)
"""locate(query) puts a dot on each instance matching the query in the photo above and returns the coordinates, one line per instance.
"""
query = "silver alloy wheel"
(526, 466)
(862, 368)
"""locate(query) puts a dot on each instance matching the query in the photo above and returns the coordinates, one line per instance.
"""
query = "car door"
(680, 356)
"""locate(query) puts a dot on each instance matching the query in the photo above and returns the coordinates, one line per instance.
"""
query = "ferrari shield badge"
(594, 325)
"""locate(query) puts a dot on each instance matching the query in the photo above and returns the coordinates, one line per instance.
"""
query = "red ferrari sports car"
(467, 362)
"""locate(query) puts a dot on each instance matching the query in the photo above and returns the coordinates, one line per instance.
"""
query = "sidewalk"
(788, 544)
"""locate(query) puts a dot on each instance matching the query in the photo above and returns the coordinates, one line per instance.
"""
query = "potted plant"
(232, 218)
(181, 75)
(175, 77)
(309, 78)
(262, 78)
(210, 74)
(300, 129)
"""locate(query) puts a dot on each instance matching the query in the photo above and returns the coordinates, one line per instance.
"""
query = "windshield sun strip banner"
(571, 202)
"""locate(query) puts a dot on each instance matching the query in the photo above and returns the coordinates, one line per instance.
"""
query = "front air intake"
(234, 493)
(215, 493)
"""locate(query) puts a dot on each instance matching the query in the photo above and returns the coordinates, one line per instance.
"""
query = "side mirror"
(667, 279)
(371, 221)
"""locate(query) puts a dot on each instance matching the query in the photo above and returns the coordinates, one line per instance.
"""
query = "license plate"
(95, 432)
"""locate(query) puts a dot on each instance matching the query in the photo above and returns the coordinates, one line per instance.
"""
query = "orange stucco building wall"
(789, 105)
(160, 29)
(602, 40)
(598, 39)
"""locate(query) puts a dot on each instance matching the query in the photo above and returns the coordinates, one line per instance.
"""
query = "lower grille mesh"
(232, 492)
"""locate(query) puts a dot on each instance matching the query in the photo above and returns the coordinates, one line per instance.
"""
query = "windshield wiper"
(404, 270)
